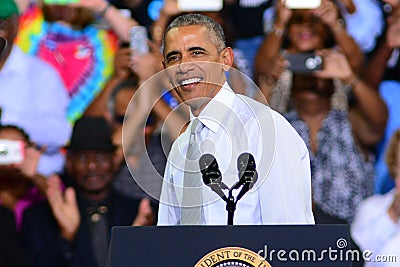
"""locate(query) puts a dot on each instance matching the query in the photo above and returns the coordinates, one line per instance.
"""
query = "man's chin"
(197, 104)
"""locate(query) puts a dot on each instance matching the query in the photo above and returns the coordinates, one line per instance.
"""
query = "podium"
(224, 246)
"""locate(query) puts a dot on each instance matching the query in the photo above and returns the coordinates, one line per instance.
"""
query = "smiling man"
(226, 125)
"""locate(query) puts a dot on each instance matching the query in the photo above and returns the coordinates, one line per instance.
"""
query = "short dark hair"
(217, 33)
(392, 153)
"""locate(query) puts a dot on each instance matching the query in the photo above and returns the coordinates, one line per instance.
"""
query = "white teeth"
(191, 80)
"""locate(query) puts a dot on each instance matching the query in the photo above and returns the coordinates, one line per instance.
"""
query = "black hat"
(91, 133)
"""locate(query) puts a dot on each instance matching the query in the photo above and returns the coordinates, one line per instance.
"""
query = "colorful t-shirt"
(83, 58)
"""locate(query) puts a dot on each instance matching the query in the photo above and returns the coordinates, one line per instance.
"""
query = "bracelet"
(103, 12)
(339, 26)
(277, 31)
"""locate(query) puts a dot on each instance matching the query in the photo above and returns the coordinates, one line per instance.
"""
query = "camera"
(304, 62)
(302, 4)
(11, 152)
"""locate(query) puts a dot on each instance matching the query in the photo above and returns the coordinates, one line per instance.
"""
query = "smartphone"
(60, 2)
(11, 152)
(138, 40)
(304, 62)
(200, 5)
(3, 45)
(302, 4)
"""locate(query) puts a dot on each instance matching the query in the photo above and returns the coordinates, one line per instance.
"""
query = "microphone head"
(247, 169)
(209, 169)
(206, 161)
(246, 161)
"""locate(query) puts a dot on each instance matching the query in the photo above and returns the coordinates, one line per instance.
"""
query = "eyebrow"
(194, 48)
(174, 52)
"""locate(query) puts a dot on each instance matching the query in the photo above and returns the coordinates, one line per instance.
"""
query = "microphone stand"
(231, 206)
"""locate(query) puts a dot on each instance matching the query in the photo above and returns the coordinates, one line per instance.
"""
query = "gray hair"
(216, 32)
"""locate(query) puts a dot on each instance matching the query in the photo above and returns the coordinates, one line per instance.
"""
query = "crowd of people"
(97, 144)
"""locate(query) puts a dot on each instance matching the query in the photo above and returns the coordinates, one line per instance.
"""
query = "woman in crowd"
(317, 105)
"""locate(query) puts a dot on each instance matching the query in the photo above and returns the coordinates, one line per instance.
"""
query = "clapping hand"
(64, 207)
(145, 216)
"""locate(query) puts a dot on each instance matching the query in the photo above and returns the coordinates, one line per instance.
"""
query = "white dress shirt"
(374, 230)
(235, 124)
(33, 97)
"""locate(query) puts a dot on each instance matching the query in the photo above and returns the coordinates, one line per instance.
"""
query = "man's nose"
(92, 164)
(185, 66)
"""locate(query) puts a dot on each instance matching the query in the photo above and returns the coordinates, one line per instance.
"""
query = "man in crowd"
(226, 125)
(32, 95)
(73, 228)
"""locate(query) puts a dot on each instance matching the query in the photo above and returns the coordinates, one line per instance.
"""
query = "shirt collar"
(214, 112)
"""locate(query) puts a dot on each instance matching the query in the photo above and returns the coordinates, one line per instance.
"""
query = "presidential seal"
(232, 257)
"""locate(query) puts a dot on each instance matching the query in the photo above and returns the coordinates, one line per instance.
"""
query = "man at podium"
(229, 128)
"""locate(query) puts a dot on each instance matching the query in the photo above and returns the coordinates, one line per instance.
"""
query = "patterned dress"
(342, 176)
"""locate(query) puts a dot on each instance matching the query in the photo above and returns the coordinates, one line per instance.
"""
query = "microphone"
(212, 175)
(248, 175)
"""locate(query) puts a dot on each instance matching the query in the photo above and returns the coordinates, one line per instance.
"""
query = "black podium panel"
(188, 246)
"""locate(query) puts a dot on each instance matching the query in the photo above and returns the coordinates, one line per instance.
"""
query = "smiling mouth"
(190, 82)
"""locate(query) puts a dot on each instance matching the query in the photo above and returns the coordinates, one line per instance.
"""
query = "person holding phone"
(227, 124)
(317, 105)
(20, 185)
(299, 31)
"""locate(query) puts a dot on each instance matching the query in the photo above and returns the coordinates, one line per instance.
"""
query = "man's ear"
(227, 57)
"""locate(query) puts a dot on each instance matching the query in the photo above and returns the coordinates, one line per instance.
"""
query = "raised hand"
(30, 163)
(123, 63)
(335, 65)
(283, 14)
(170, 8)
(328, 12)
(64, 207)
(145, 216)
(147, 64)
